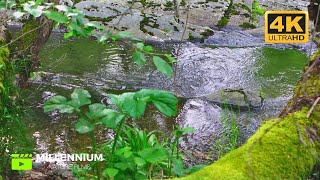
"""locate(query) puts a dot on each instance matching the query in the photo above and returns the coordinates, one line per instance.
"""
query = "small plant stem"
(117, 137)
(94, 149)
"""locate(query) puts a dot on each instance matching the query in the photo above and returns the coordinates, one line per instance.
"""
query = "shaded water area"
(201, 70)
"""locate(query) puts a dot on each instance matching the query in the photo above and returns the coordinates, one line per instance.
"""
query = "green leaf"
(18, 14)
(124, 34)
(154, 155)
(127, 154)
(123, 150)
(112, 119)
(79, 98)
(58, 102)
(164, 101)
(121, 166)
(170, 58)
(148, 48)
(62, 7)
(162, 66)
(128, 104)
(139, 58)
(139, 161)
(67, 35)
(178, 168)
(97, 111)
(139, 46)
(111, 172)
(104, 37)
(56, 16)
(83, 126)
(257, 9)
(36, 12)
(95, 25)
(78, 30)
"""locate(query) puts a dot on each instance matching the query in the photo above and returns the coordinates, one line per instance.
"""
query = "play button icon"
(21, 164)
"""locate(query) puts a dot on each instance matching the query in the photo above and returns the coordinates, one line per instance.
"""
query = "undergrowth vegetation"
(132, 153)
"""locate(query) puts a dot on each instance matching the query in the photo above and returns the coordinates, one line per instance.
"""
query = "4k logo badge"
(286, 27)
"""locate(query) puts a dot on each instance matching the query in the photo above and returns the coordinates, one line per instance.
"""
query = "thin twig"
(178, 50)
(23, 35)
(313, 106)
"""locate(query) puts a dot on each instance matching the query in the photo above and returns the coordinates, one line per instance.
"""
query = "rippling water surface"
(108, 68)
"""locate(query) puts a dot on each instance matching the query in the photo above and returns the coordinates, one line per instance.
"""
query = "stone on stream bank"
(236, 98)
(156, 19)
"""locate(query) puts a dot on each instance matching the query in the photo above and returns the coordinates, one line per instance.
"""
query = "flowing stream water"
(201, 69)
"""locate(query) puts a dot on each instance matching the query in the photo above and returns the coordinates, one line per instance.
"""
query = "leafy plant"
(77, 26)
(133, 153)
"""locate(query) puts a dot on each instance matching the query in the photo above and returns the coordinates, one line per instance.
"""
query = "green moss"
(316, 54)
(29, 33)
(247, 25)
(279, 154)
(223, 22)
(4, 58)
(191, 37)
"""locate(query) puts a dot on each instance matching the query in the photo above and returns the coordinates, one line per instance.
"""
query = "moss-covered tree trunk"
(283, 148)
(29, 41)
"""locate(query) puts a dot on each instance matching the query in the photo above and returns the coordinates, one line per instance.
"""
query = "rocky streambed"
(228, 85)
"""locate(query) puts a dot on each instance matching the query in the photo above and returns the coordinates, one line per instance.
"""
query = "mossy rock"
(276, 151)
(242, 98)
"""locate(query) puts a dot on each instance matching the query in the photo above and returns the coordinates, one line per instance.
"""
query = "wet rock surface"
(232, 58)
(237, 98)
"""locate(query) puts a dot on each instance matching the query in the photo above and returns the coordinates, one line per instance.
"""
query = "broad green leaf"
(112, 118)
(121, 166)
(18, 14)
(96, 111)
(170, 58)
(164, 101)
(256, 8)
(124, 34)
(96, 25)
(58, 102)
(36, 12)
(139, 58)
(134, 107)
(61, 7)
(162, 66)
(127, 154)
(111, 172)
(148, 48)
(188, 130)
(139, 161)
(123, 150)
(78, 30)
(154, 155)
(56, 16)
(139, 46)
(83, 126)
(67, 35)
(178, 168)
(1, 66)
(80, 97)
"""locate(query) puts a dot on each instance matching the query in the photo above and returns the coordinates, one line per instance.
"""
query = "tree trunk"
(26, 49)
(283, 148)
